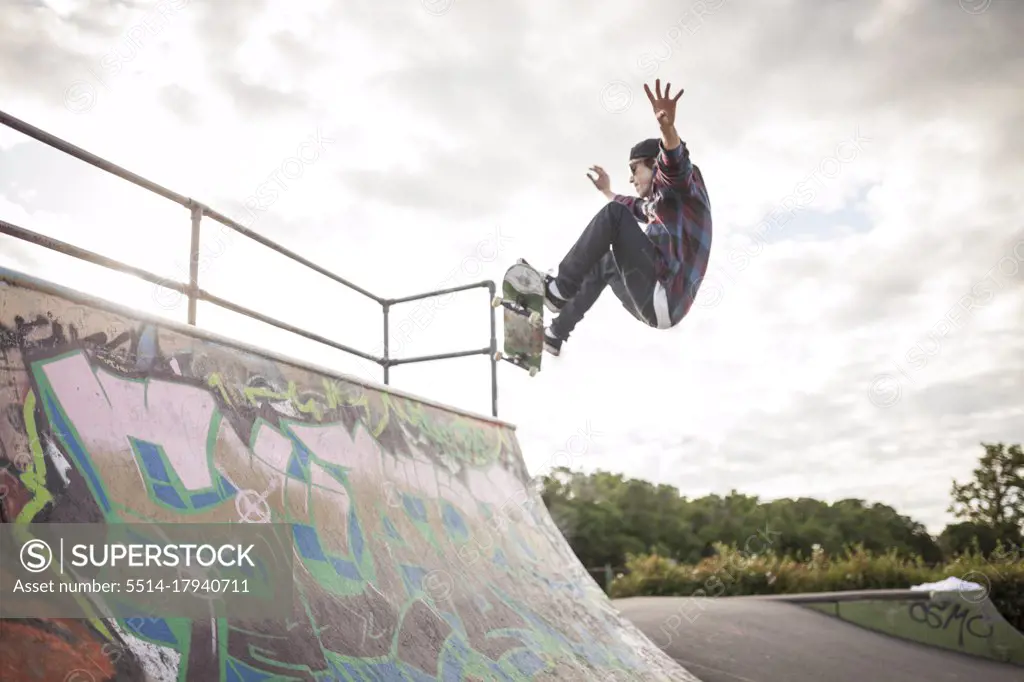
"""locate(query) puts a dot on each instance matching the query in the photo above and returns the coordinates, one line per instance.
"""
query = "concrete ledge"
(860, 595)
(964, 622)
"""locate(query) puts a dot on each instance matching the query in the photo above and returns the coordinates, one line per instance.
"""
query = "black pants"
(613, 249)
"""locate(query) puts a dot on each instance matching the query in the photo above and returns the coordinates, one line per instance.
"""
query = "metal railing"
(192, 290)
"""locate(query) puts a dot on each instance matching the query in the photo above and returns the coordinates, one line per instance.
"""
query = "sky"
(859, 330)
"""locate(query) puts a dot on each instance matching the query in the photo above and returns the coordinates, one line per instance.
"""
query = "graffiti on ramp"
(421, 550)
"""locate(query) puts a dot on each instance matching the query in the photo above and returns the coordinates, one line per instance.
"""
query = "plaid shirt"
(678, 217)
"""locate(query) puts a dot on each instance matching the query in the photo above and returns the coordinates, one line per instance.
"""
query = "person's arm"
(669, 137)
(604, 184)
(673, 167)
(632, 203)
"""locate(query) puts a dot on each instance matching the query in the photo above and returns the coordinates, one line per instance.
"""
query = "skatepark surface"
(755, 639)
(422, 550)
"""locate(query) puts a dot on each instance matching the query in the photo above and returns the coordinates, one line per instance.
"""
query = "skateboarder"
(656, 272)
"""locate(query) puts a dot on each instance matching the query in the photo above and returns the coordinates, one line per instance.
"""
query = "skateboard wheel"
(533, 371)
(535, 319)
(496, 302)
(497, 356)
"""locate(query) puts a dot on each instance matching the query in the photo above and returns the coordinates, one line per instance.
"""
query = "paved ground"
(751, 640)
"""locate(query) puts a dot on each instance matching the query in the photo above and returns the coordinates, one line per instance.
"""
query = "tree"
(605, 516)
(995, 497)
(960, 538)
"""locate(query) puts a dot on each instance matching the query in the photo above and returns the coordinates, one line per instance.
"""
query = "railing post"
(193, 261)
(387, 369)
(492, 290)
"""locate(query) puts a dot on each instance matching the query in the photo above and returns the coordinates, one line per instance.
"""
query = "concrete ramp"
(962, 621)
(421, 550)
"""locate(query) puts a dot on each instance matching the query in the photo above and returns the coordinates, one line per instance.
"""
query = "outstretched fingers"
(656, 95)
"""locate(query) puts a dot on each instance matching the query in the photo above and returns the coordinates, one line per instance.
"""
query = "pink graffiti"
(106, 410)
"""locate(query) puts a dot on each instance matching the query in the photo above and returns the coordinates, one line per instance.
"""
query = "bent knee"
(617, 212)
(616, 208)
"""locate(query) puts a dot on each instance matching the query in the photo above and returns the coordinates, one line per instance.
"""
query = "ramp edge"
(10, 277)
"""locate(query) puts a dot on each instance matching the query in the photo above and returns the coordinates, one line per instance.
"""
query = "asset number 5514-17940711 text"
(214, 586)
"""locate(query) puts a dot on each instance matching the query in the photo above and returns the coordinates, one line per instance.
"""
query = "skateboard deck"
(522, 296)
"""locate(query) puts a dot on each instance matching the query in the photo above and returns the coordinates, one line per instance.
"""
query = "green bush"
(732, 573)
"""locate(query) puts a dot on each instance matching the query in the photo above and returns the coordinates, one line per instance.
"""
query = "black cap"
(648, 149)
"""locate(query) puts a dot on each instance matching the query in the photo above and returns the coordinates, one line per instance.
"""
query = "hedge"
(733, 573)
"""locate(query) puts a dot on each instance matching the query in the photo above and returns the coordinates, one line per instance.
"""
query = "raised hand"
(602, 181)
(664, 105)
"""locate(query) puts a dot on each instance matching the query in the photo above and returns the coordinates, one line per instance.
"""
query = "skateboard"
(522, 296)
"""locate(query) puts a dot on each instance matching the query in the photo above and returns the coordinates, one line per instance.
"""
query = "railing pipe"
(394, 362)
(242, 310)
(78, 252)
(387, 360)
(90, 158)
(193, 261)
(441, 292)
(192, 288)
(491, 350)
(274, 246)
(492, 289)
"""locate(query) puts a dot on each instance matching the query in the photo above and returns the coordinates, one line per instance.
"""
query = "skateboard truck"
(516, 360)
(536, 319)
